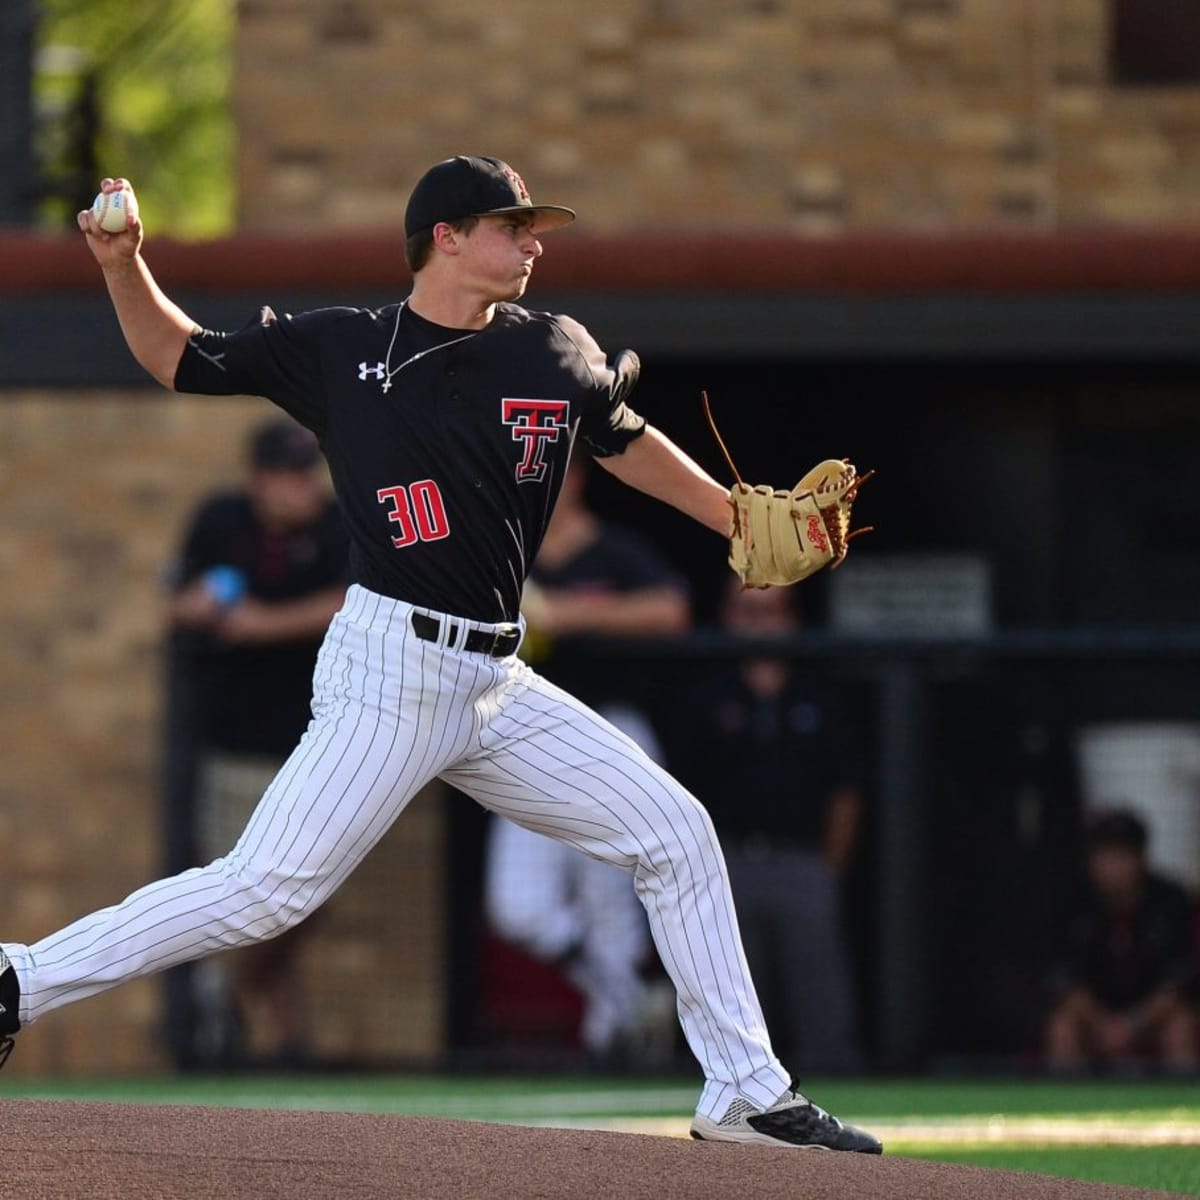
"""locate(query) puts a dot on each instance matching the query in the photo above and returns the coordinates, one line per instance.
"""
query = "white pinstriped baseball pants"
(391, 712)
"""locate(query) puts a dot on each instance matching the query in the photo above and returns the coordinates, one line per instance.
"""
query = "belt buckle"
(498, 637)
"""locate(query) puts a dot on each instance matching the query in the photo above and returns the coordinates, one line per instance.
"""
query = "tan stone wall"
(95, 488)
(813, 115)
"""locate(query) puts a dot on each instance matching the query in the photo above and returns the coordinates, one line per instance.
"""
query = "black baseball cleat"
(793, 1120)
(10, 996)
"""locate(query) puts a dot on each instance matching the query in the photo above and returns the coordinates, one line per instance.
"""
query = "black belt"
(500, 644)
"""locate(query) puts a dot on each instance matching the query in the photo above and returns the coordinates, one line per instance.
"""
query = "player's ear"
(445, 237)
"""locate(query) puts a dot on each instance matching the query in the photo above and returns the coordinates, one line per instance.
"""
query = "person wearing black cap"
(260, 573)
(447, 420)
(1124, 969)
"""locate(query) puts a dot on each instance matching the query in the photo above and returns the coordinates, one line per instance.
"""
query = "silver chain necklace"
(390, 371)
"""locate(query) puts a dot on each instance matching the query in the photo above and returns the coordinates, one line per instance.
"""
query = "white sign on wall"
(924, 595)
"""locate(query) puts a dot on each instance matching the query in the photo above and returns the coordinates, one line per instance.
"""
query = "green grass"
(884, 1098)
(896, 1098)
(529, 1099)
(477, 1097)
(1163, 1168)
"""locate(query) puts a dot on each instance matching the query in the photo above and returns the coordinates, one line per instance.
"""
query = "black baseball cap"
(474, 186)
(1118, 828)
(283, 446)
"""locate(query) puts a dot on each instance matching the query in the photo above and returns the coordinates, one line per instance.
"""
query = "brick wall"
(95, 488)
(810, 115)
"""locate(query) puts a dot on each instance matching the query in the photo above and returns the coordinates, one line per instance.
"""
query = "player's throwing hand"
(111, 249)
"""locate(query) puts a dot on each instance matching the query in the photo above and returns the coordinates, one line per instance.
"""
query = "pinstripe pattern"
(548, 762)
(390, 713)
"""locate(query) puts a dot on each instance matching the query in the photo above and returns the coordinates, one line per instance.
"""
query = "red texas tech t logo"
(518, 183)
(535, 423)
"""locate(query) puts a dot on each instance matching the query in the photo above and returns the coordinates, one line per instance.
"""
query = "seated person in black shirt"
(1124, 969)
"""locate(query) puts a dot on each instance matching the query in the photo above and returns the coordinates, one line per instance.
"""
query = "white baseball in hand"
(111, 209)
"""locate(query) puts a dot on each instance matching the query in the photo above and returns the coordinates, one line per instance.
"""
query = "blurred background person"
(773, 757)
(590, 578)
(1125, 969)
(261, 571)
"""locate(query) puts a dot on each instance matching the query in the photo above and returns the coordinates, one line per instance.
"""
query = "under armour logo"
(378, 371)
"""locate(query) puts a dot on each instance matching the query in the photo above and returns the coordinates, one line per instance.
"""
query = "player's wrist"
(121, 267)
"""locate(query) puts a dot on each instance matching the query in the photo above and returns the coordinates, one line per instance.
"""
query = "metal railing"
(901, 674)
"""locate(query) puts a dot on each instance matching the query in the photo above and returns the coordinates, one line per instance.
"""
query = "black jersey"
(616, 562)
(1124, 958)
(792, 751)
(447, 447)
(256, 694)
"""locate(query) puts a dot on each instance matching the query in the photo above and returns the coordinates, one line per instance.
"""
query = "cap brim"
(545, 216)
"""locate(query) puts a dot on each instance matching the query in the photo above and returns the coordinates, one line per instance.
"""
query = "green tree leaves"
(143, 91)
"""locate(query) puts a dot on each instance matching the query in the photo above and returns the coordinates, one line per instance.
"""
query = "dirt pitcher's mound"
(67, 1151)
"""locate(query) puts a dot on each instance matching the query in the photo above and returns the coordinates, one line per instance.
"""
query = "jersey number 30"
(419, 511)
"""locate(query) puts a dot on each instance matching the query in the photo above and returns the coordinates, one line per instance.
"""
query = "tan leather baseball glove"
(782, 537)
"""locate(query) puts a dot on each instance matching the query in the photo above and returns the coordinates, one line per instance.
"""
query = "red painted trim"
(859, 264)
